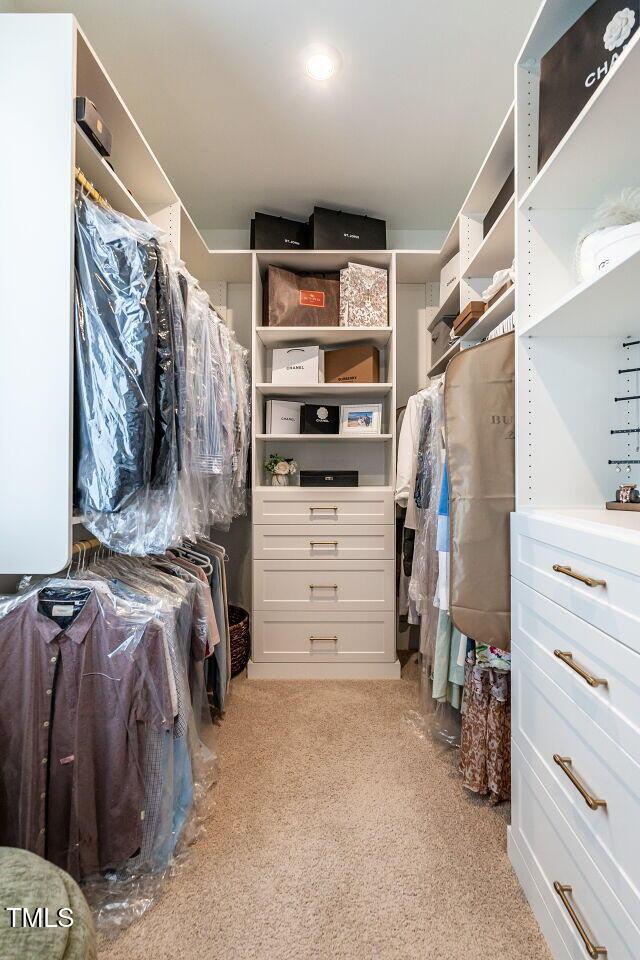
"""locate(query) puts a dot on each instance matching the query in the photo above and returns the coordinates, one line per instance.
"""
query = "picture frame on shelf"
(357, 419)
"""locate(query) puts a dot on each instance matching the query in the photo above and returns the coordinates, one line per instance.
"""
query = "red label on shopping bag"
(311, 298)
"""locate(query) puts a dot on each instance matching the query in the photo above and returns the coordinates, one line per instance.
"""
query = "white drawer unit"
(593, 781)
(598, 674)
(588, 568)
(323, 637)
(582, 916)
(323, 507)
(308, 542)
(365, 585)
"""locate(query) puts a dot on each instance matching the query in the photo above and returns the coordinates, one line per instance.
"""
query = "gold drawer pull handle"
(323, 586)
(565, 765)
(568, 572)
(567, 658)
(323, 506)
(563, 890)
(323, 543)
(328, 639)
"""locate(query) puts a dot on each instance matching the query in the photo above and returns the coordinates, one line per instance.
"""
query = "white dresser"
(575, 835)
(324, 584)
(574, 839)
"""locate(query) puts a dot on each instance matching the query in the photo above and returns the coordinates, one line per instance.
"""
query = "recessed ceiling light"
(321, 62)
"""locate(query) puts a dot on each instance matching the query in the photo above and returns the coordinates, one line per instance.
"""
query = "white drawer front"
(550, 730)
(310, 542)
(538, 545)
(553, 854)
(366, 585)
(298, 636)
(322, 507)
(540, 627)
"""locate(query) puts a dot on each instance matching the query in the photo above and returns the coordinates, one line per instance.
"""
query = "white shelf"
(322, 260)
(324, 389)
(587, 310)
(491, 318)
(323, 437)
(496, 167)
(370, 488)
(273, 336)
(451, 243)
(584, 169)
(497, 249)
(193, 249)
(106, 182)
(229, 266)
(623, 524)
(441, 365)
(450, 308)
(417, 266)
(134, 161)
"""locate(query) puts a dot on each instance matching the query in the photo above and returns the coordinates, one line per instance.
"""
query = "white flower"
(293, 466)
(619, 29)
(281, 468)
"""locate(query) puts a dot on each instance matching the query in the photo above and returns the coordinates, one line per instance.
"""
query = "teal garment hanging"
(448, 677)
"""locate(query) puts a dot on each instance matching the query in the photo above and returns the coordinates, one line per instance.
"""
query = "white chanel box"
(303, 365)
(283, 416)
(449, 276)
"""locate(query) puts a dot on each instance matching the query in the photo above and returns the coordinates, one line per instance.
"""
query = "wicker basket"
(240, 639)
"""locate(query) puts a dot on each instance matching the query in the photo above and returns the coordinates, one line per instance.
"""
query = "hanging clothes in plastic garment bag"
(480, 439)
(162, 408)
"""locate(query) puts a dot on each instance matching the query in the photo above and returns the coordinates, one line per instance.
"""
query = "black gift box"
(319, 418)
(335, 230)
(328, 478)
(278, 233)
(572, 70)
(90, 121)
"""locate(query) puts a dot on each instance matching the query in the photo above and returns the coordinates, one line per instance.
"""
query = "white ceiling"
(218, 89)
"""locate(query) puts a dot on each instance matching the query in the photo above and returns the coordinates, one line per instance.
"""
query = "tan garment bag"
(479, 410)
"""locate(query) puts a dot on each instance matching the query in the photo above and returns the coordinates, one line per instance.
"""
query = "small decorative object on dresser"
(356, 419)
(364, 296)
(627, 498)
(280, 469)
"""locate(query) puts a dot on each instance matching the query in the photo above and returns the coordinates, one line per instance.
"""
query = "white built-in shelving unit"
(376, 463)
(48, 58)
(575, 564)
(480, 256)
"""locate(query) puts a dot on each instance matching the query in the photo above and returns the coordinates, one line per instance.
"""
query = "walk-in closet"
(319, 480)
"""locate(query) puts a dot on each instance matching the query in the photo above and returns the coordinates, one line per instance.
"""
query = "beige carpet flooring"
(338, 834)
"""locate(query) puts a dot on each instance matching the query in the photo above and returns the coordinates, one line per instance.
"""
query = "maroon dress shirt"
(74, 702)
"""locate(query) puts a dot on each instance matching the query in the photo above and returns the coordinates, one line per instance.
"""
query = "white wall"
(396, 239)
(412, 341)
